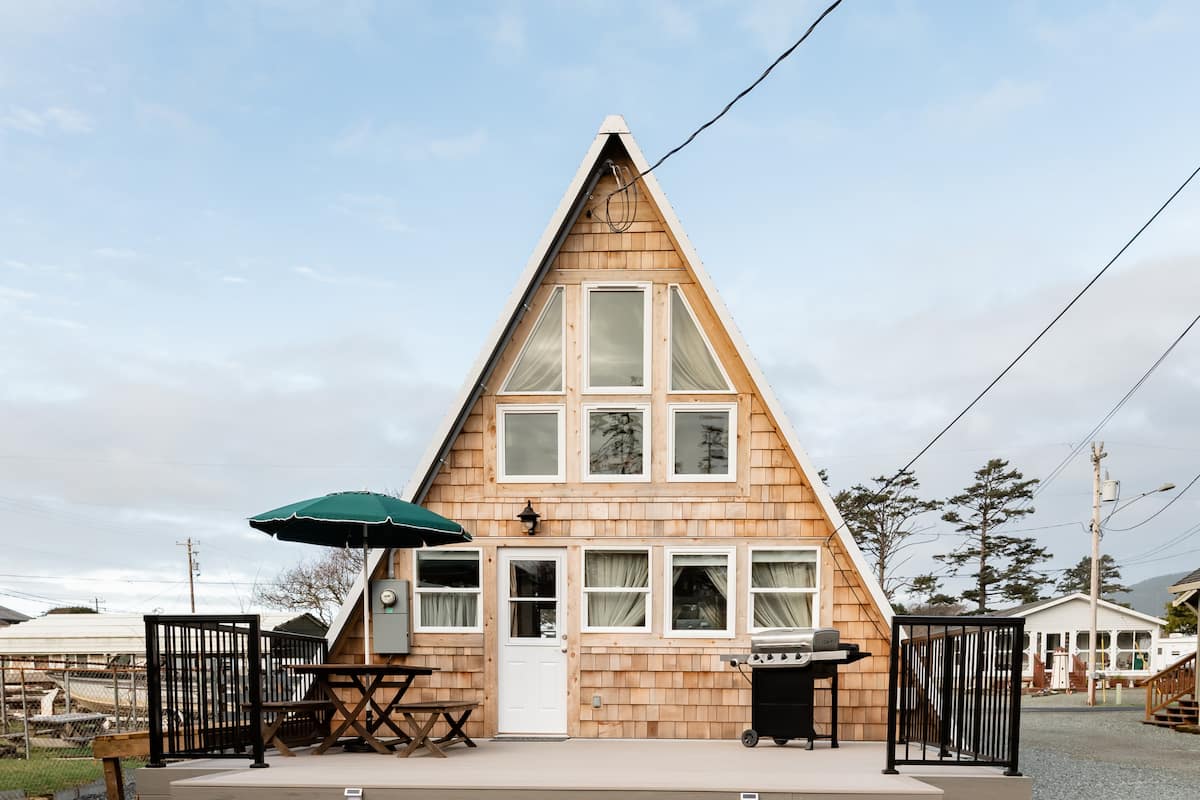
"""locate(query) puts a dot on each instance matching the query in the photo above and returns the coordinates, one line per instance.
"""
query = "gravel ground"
(1076, 753)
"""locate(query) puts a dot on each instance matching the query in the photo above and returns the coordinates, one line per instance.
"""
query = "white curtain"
(615, 570)
(449, 610)
(539, 368)
(693, 367)
(783, 570)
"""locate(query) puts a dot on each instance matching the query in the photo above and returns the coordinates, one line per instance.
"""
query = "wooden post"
(67, 685)
(3, 697)
(24, 713)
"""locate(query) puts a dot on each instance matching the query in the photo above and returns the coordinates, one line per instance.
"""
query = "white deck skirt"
(663, 769)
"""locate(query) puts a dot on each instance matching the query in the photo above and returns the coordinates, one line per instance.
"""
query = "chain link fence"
(51, 710)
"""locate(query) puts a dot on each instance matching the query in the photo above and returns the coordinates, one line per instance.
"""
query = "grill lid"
(784, 640)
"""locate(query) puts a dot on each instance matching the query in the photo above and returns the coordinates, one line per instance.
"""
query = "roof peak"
(614, 123)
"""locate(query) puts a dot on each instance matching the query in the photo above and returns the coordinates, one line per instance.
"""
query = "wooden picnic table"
(364, 685)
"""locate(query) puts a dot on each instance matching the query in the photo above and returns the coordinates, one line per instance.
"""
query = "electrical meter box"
(390, 626)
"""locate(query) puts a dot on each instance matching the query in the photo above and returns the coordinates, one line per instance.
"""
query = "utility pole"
(97, 601)
(193, 570)
(1097, 455)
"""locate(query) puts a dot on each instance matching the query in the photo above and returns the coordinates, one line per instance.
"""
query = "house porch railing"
(208, 677)
(1173, 683)
(954, 692)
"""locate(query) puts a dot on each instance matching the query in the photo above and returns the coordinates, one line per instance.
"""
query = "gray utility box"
(390, 627)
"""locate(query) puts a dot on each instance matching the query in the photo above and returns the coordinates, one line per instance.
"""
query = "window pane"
(793, 569)
(540, 366)
(782, 610)
(532, 579)
(531, 443)
(615, 570)
(445, 610)
(616, 610)
(448, 570)
(693, 367)
(702, 442)
(533, 619)
(1125, 640)
(699, 587)
(616, 334)
(615, 442)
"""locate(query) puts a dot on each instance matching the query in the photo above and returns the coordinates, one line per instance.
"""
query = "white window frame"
(417, 592)
(562, 371)
(815, 592)
(585, 428)
(703, 336)
(729, 632)
(503, 410)
(648, 591)
(647, 291)
(732, 409)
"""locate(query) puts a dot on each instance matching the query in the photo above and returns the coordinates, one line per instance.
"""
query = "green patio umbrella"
(360, 519)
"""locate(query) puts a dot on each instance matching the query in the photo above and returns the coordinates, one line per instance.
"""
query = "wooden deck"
(595, 769)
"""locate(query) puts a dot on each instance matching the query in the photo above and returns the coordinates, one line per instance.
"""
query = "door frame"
(560, 554)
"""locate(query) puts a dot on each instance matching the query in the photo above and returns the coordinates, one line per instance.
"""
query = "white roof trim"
(616, 125)
(1184, 597)
(1058, 601)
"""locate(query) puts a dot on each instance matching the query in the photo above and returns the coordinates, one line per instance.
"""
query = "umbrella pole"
(366, 603)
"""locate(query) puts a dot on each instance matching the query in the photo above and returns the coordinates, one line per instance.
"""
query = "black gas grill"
(786, 663)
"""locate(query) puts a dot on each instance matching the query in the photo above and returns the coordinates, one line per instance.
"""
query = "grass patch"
(44, 775)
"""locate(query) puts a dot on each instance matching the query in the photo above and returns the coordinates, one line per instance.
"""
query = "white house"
(1127, 641)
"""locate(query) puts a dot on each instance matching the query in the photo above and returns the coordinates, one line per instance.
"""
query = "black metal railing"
(954, 692)
(207, 679)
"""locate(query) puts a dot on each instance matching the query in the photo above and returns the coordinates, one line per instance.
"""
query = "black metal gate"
(207, 678)
(954, 692)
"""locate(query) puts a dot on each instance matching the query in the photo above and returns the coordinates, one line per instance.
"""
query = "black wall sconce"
(529, 518)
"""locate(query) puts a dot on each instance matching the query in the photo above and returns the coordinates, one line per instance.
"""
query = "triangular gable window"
(694, 366)
(539, 368)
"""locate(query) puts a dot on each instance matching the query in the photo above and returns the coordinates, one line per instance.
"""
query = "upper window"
(694, 366)
(783, 588)
(539, 367)
(703, 441)
(447, 591)
(618, 338)
(616, 443)
(616, 590)
(529, 444)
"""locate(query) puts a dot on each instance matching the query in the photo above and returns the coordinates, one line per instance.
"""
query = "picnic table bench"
(454, 712)
(279, 712)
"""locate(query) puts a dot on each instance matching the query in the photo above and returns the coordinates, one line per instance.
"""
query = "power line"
(1161, 510)
(731, 103)
(1037, 339)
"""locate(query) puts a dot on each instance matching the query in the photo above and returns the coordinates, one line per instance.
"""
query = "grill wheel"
(749, 737)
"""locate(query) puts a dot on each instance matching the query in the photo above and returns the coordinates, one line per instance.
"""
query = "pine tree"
(1180, 619)
(883, 522)
(1004, 568)
(1079, 578)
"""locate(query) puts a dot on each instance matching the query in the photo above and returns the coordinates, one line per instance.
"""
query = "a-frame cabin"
(678, 512)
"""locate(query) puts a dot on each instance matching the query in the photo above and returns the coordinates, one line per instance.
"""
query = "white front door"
(533, 642)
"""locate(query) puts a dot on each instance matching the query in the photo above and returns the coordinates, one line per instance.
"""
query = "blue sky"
(248, 250)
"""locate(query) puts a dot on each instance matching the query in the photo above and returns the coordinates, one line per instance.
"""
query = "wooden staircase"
(1171, 696)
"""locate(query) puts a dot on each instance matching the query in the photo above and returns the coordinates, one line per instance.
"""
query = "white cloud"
(506, 34)
(341, 279)
(776, 23)
(374, 209)
(234, 279)
(390, 142)
(457, 147)
(990, 107)
(9, 293)
(115, 253)
(675, 21)
(164, 116)
(49, 120)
